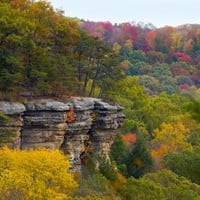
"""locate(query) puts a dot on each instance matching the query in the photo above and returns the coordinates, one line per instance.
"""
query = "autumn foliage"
(35, 174)
(169, 138)
(129, 138)
(70, 116)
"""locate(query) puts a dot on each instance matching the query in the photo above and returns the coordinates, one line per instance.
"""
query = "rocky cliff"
(76, 126)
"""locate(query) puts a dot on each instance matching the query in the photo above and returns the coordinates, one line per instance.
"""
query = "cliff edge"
(76, 125)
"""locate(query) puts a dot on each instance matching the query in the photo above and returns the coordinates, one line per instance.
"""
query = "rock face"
(11, 123)
(77, 126)
(44, 124)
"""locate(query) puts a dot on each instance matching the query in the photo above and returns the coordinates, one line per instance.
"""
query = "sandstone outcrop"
(77, 126)
(11, 123)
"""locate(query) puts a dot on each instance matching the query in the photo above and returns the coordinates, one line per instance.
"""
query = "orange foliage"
(138, 162)
(117, 184)
(129, 138)
(70, 116)
(150, 38)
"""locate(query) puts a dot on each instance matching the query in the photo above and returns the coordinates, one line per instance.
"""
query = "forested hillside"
(42, 50)
(153, 73)
(164, 59)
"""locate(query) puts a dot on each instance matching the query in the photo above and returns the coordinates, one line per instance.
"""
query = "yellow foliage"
(116, 47)
(169, 138)
(35, 174)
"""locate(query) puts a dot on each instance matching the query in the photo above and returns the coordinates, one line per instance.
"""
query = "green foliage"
(151, 84)
(129, 125)
(155, 57)
(174, 186)
(161, 108)
(102, 165)
(94, 185)
(134, 161)
(185, 164)
(194, 138)
(31, 34)
(4, 118)
(107, 169)
(140, 160)
(91, 197)
(193, 107)
(141, 189)
(138, 56)
(7, 136)
(164, 185)
(119, 153)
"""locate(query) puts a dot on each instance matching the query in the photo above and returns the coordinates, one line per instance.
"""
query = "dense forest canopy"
(154, 73)
(41, 49)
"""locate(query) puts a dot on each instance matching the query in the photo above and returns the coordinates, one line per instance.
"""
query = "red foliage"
(178, 70)
(180, 56)
(129, 138)
(129, 31)
(70, 116)
(184, 86)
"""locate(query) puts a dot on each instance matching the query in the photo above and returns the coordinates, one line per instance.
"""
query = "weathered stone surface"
(104, 107)
(42, 128)
(102, 141)
(47, 104)
(81, 104)
(77, 126)
(11, 108)
(93, 130)
(74, 146)
(10, 131)
(44, 118)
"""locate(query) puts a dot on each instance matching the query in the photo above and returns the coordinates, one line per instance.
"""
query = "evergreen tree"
(140, 160)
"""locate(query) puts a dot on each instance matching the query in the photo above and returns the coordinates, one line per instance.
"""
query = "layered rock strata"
(11, 123)
(76, 126)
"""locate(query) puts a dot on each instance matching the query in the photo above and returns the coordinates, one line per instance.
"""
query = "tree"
(178, 163)
(161, 185)
(94, 186)
(151, 84)
(35, 48)
(177, 40)
(119, 153)
(182, 57)
(12, 37)
(139, 68)
(139, 161)
(154, 57)
(35, 174)
(193, 107)
(138, 56)
(159, 109)
(97, 63)
(169, 138)
(139, 189)
(174, 186)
